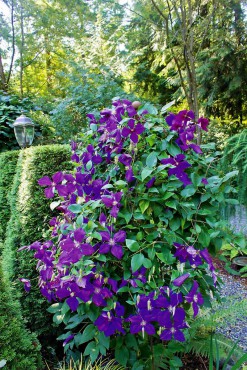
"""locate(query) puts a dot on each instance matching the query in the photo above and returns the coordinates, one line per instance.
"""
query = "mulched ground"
(193, 362)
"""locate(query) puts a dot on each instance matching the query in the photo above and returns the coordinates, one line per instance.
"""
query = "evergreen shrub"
(8, 162)
(18, 346)
(29, 211)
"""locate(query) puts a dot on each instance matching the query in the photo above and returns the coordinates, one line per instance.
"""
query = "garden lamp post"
(24, 131)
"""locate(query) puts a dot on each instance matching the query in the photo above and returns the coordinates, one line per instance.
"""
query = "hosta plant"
(127, 260)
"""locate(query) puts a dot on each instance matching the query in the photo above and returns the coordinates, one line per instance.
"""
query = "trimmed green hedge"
(29, 214)
(8, 162)
(19, 347)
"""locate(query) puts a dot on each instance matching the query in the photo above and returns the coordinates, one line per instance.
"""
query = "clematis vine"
(123, 256)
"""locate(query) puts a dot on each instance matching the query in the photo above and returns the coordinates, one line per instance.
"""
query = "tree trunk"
(21, 50)
(3, 82)
(13, 42)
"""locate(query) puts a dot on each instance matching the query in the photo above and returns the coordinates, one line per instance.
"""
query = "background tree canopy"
(71, 57)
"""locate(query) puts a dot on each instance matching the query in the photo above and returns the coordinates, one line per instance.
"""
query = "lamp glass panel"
(24, 135)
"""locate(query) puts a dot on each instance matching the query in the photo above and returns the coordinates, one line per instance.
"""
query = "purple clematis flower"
(138, 275)
(109, 324)
(111, 243)
(150, 183)
(180, 280)
(188, 253)
(68, 339)
(113, 202)
(126, 159)
(99, 293)
(195, 298)
(57, 178)
(173, 326)
(180, 165)
(90, 155)
(204, 181)
(206, 256)
(27, 284)
(203, 123)
(138, 323)
(133, 130)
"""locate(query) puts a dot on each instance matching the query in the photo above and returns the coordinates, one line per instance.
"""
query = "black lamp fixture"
(24, 131)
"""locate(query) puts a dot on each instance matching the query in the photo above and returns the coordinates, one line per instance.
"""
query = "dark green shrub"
(11, 107)
(29, 211)
(8, 162)
(18, 346)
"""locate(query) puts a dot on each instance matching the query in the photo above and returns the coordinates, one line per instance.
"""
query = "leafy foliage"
(210, 321)
(235, 155)
(87, 92)
(128, 255)
(11, 106)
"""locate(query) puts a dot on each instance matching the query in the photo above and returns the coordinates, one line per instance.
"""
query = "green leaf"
(130, 341)
(232, 201)
(75, 208)
(104, 341)
(93, 350)
(167, 106)
(175, 224)
(150, 108)
(167, 195)
(120, 183)
(240, 362)
(188, 191)
(74, 321)
(132, 245)
(86, 336)
(172, 204)
(126, 215)
(151, 139)
(137, 261)
(145, 173)
(54, 205)
(54, 307)
(144, 204)
(89, 165)
(173, 150)
(230, 175)
(147, 263)
(58, 318)
(122, 355)
(151, 160)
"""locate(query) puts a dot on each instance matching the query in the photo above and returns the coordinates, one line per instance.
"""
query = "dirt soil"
(193, 362)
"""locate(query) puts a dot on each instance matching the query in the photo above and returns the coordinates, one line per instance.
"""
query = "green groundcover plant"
(127, 263)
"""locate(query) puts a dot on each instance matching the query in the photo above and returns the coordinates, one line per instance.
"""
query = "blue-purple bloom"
(139, 323)
(27, 284)
(173, 325)
(195, 298)
(109, 324)
(113, 201)
(180, 280)
(133, 131)
(57, 178)
(112, 243)
(179, 166)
